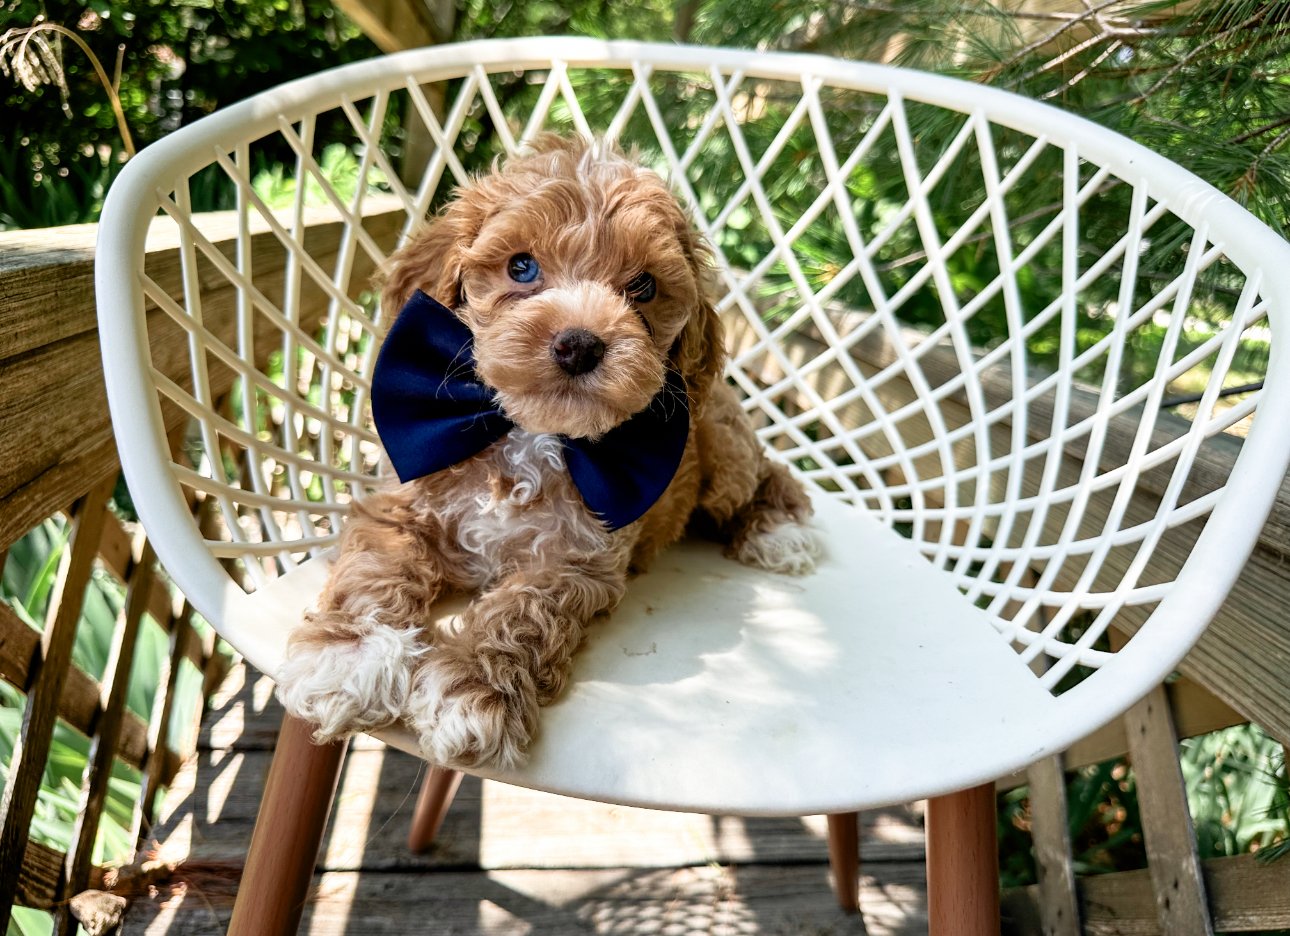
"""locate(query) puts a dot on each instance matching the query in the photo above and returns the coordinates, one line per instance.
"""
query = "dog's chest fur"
(506, 505)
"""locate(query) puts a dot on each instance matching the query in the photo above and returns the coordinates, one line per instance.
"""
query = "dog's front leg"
(349, 663)
(476, 696)
(760, 508)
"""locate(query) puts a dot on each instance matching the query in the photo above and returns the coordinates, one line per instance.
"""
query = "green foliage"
(24, 921)
(59, 801)
(1237, 790)
(29, 576)
(72, 195)
(634, 19)
(339, 166)
(1155, 71)
(179, 61)
(30, 573)
(1102, 819)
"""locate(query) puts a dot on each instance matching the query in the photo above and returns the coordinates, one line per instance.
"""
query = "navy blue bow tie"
(432, 411)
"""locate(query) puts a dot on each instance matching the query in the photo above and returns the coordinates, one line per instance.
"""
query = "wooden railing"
(57, 455)
(1177, 893)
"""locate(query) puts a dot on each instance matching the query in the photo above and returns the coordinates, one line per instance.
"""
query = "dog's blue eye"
(641, 288)
(523, 268)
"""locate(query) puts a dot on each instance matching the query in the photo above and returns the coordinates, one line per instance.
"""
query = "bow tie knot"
(432, 412)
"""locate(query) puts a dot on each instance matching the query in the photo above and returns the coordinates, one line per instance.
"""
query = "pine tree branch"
(1034, 46)
(1190, 56)
(1273, 146)
(918, 255)
(1069, 53)
(1249, 179)
(1053, 16)
(683, 21)
(1084, 73)
(1259, 131)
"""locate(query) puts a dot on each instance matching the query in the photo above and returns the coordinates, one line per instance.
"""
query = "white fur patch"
(487, 523)
(454, 730)
(790, 548)
(347, 687)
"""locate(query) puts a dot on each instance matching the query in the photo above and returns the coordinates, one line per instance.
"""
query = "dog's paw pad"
(350, 685)
(789, 548)
(469, 724)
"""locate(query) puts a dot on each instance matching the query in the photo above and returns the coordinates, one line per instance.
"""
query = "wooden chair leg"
(844, 859)
(437, 791)
(288, 830)
(963, 864)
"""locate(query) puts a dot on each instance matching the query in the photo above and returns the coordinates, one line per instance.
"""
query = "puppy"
(580, 281)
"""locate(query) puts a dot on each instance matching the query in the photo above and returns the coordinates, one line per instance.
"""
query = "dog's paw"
(463, 721)
(350, 685)
(790, 548)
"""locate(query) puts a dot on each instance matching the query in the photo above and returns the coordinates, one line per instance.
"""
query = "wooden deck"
(511, 861)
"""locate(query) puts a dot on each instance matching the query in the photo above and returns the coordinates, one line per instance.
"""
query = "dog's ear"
(430, 261)
(700, 351)
(701, 355)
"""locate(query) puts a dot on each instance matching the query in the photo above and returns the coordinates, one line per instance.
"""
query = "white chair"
(977, 376)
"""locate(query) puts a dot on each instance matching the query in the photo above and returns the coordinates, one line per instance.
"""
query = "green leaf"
(43, 582)
(26, 921)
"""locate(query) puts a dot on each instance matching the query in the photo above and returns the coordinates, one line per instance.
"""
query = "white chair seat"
(719, 688)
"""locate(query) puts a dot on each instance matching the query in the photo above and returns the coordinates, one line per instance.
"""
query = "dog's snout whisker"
(577, 350)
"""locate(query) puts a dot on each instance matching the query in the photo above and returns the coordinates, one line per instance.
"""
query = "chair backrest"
(999, 328)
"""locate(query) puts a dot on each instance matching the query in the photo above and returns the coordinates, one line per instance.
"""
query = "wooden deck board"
(510, 860)
(783, 900)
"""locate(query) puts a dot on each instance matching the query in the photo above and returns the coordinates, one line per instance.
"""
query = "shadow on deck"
(508, 860)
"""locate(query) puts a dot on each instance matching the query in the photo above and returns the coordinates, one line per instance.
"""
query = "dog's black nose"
(577, 350)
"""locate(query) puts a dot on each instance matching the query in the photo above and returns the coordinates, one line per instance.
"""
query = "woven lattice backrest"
(999, 341)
